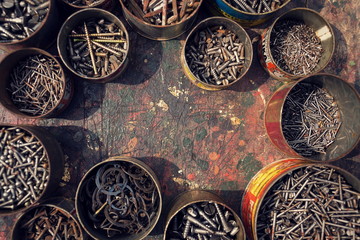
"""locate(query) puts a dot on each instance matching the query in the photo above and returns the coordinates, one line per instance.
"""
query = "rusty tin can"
(311, 18)
(11, 61)
(55, 166)
(348, 101)
(240, 33)
(262, 182)
(156, 32)
(185, 199)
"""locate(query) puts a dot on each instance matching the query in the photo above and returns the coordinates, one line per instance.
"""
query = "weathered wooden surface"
(192, 138)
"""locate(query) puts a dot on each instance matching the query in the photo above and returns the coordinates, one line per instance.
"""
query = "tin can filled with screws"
(52, 219)
(199, 214)
(299, 199)
(299, 43)
(161, 19)
(94, 45)
(247, 12)
(314, 118)
(119, 198)
(33, 84)
(32, 164)
(217, 53)
(24, 23)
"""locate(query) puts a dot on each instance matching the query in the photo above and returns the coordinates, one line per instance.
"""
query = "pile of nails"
(84, 3)
(36, 85)
(314, 202)
(20, 19)
(295, 47)
(45, 222)
(257, 6)
(24, 168)
(96, 47)
(121, 199)
(162, 12)
(204, 221)
(215, 55)
(310, 119)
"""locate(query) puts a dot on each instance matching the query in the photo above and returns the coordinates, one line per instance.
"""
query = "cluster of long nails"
(97, 48)
(20, 19)
(84, 3)
(257, 6)
(295, 47)
(314, 202)
(36, 85)
(124, 199)
(215, 55)
(24, 168)
(203, 221)
(310, 119)
(158, 12)
(44, 222)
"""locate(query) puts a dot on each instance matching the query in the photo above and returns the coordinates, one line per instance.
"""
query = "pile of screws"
(310, 119)
(157, 12)
(203, 220)
(36, 85)
(45, 222)
(84, 3)
(96, 48)
(295, 47)
(24, 168)
(121, 199)
(257, 6)
(215, 55)
(20, 19)
(314, 202)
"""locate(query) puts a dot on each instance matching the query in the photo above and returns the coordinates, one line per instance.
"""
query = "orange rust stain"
(215, 129)
(216, 169)
(214, 156)
(191, 176)
(131, 144)
(242, 143)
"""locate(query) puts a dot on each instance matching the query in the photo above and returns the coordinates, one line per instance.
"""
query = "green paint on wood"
(201, 134)
(249, 165)
(229, 185)
(248, 100)
(200, 117)
(187, 142)
(352, 63)
(204, 165)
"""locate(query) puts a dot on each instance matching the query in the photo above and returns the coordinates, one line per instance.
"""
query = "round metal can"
(6, 67)
(311, 18)
(185, 199)
(239, 32)
(87, 219)
(348, 101)
(262, 182)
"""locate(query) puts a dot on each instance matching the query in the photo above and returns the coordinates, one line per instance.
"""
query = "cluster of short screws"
(257, 6)
(96, 48)
(295, 47)
(215, 55)
(203, 221)
(314, 202)
(84, 3)
(24, 171)
(310, 119)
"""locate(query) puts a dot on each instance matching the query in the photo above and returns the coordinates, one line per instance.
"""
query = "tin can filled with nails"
(32, 164)
(94, 45)
(119, 198)
(161, 19)
(298, 43)
(247, 12)
(217, 53)
(315, 118)
(33, 84)
(52, 219)
(198, 214)
(295, 198)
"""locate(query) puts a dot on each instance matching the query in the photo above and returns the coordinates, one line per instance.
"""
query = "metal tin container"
(322, 30)
(183, 200)
(87, 220)
(10, 62)
(55, 158)
(348, 101)
(156, 32)
(65, 206)
(240, 33)
(80, 17)
(262, 182)
(246, 19)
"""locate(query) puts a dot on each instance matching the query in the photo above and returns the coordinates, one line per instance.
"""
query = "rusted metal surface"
(192, 138)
